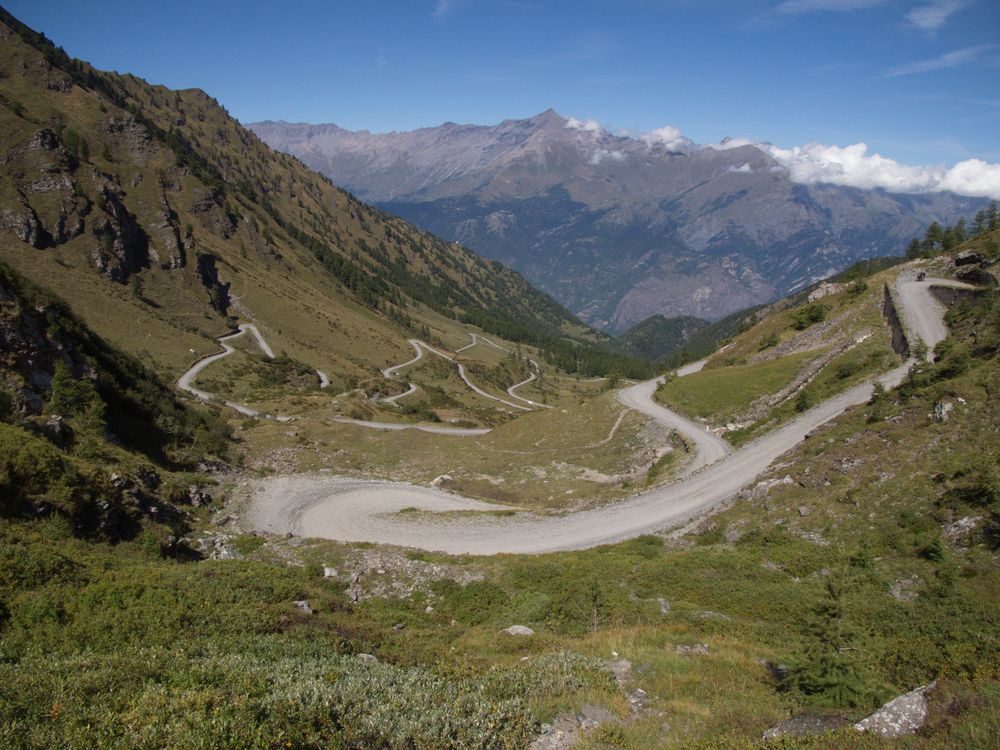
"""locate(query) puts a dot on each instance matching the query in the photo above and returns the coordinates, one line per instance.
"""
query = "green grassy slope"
(795, 354)
(872, 569)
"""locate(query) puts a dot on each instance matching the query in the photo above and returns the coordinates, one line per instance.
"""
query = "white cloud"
(603, 154)
(848, 165)
(588, 126)
(973, 177)
(933, 16)
(855, 167)
(948, 60)
(728, 143)
(668, 135)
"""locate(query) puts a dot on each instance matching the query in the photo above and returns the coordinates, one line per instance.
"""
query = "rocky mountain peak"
(619, 227)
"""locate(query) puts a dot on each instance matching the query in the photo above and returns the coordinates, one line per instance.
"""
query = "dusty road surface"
(185, 381)
(709, 447)
(691, 368)
(433, 429)
(357, 511)
(420, 347)
(922, 313)
(403, 514)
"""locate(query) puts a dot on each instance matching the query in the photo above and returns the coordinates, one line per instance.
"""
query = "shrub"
(804, 401)
(806, 316)
(879, 403)
(157, 698)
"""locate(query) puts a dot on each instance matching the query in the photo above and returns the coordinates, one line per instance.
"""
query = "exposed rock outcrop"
(167, 234)
(900, 716)
(218, 291)
(123, 245)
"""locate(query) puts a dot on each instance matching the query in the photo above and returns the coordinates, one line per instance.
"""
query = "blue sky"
(918, 81)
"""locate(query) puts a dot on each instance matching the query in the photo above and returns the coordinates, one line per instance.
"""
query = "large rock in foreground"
(900, 716)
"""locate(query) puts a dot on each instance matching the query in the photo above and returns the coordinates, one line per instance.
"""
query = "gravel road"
(185, 380)
(358, 511)
(922, 314)
(709, 447)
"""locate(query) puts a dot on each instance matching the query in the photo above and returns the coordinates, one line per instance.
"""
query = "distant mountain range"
(619, 228)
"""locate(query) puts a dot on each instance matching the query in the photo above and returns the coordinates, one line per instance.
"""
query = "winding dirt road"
(922, 313)
(709, 447)
(185, 380)
(358, 511)
(420, 347)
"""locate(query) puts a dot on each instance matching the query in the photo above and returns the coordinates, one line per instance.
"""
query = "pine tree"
(826, 672)
(992, 216)
(933, 237)
(958, 234)
(979, 222)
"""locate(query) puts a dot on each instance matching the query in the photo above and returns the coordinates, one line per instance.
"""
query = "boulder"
(622, 669)
(967, 258)
(148, 477)
(637, 700)
(198, 496)
(591, 716)
(900, 716)
(802, 726)
(942, 411)
(698, 648)
(53, 428)
(977, 276)
(519, 630)
(303, 606)
(905, 589)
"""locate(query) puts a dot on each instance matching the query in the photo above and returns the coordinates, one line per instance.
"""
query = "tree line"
(938, 238)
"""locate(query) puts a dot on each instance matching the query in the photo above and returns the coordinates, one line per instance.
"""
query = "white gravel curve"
(185, 380)
(709, 447)
(420, 347)
(922, 314)
(358, 511)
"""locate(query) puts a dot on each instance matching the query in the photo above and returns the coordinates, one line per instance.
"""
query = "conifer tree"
(826, 672)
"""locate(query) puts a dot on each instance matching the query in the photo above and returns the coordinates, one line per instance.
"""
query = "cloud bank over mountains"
(855, 167)
(852, 166)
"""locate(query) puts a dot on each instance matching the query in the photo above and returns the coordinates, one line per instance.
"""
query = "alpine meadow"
(548, 434)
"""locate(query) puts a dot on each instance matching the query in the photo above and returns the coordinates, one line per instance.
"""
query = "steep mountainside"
(657, 336)
(619, 228)
(161, 220)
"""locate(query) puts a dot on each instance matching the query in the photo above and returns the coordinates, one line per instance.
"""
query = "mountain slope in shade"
(619, 228)
(656, 336)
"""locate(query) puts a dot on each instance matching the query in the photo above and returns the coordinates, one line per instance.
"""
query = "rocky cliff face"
(618, 228)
